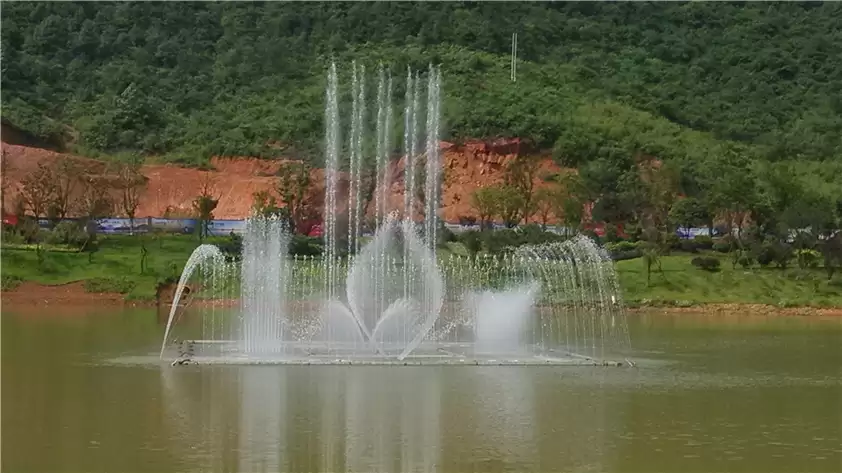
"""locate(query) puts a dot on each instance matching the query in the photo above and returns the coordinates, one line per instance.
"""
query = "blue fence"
(118, 226)
(123, 226)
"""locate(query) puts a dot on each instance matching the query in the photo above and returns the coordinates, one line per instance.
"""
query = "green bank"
(120, 264)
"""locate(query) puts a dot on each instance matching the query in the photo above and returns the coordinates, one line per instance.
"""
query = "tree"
(204, 204)
(520, 179)
(129, 183)
(688, 213)
(570, 201)
(511, 204)
(811, 217)
(38, 189)
(651, 258)
(572, 212)
(545, 202)
(293, 186)
(661, 184)
(68, 174)
(486, 203)
(472, 241)
(614, 190)
(733, 194)
(264, 204)
(612, 208)
(4, 179)
(831, 250)
(95, 202)
(601, 176)
(228, 44)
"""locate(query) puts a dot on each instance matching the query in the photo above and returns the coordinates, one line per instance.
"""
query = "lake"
(709, 393)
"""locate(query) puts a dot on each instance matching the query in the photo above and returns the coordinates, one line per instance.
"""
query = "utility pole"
(514, 57)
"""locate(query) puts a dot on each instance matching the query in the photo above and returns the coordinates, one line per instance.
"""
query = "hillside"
(171, 189)
(188, 81)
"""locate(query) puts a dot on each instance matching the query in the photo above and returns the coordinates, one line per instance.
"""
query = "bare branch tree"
(96, 200)
(293, 185)
(4, 179)
(39, 189)
(68, 175)
(129, 183)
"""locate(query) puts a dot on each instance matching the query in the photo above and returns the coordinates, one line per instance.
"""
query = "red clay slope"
(171, 189)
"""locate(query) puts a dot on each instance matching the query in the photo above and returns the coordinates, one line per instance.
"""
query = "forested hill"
(188, 80)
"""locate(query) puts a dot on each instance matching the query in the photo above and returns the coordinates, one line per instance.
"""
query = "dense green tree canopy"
(597, 80)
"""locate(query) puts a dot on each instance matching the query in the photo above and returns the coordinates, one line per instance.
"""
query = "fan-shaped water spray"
(200, 255)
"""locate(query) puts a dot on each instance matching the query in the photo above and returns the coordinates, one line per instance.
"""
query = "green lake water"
(709, 394)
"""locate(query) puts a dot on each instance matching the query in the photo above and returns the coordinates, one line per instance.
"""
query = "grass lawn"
(680, 283)
(116, 267)
(118, 259)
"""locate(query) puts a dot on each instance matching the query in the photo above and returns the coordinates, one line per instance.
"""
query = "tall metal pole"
(514, 58)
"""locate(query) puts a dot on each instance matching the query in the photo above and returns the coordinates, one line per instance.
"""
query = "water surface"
(738, 394)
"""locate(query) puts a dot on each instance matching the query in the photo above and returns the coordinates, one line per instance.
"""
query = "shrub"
(746, 261)
(721, 246)
(703, 242)
(467, 221)
(495, 241)
(301, 245)
(444, 234)
(807, 258)
(472, 240)
(774, 252)
(804, 240)
(591, 234)
(533, 234)
(625, 255)
(67, 233)
(621, 246)
(9, 282)
(623, 250)
(232, 246)
(689, 246)
(634, 232)
(172, 276)
(764, 254)
(10, 236)
(783, 254)
(110, 285)
(28, 229)
(673, 241)
(611, 233)
(707, 263)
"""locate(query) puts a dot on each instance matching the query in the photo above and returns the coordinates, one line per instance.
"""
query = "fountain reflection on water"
(402, 303)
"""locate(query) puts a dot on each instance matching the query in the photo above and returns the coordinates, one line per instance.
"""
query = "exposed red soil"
(72, 298)
(58, 296)
(170, 189)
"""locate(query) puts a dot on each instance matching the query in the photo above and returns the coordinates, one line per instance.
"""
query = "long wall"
(117, 226)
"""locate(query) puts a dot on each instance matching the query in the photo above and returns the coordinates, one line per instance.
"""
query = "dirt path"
(30, 293)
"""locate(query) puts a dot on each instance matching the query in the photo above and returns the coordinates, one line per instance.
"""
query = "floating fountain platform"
(228, 352)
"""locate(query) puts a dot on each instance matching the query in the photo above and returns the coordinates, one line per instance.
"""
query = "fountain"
(402, 303)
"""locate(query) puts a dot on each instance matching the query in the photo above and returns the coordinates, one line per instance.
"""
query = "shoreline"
(738, 309)
(29, 294)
